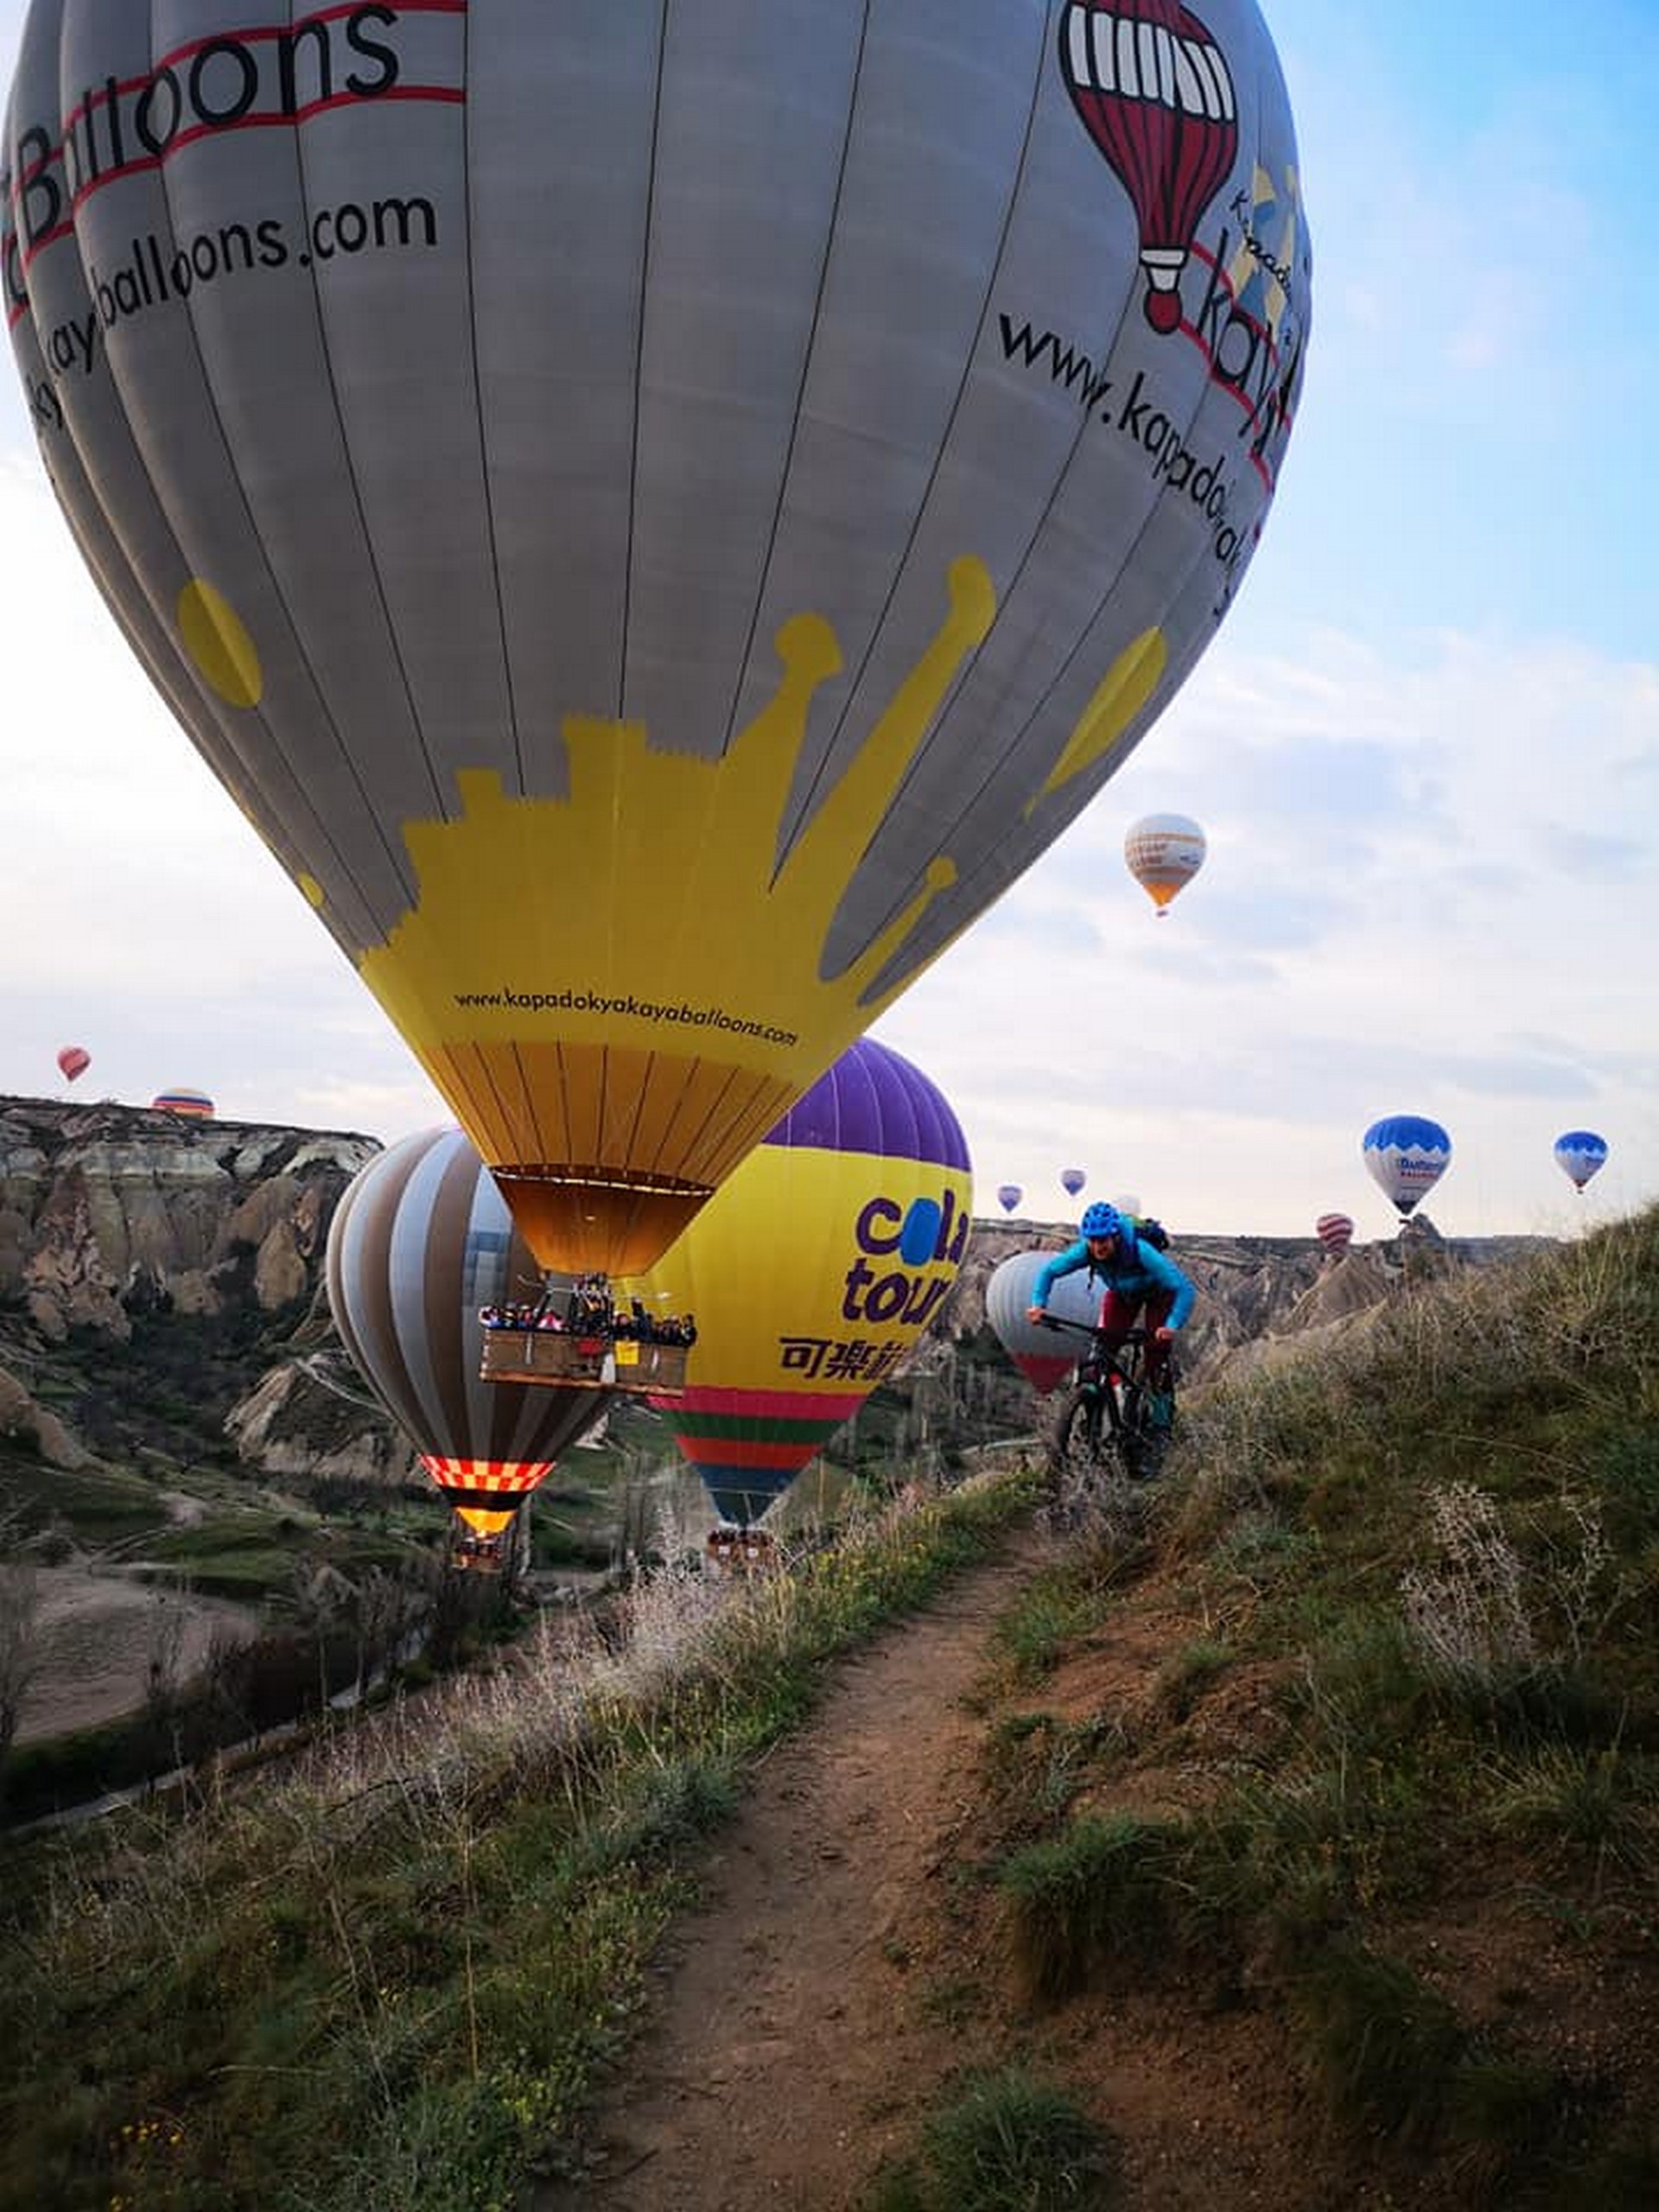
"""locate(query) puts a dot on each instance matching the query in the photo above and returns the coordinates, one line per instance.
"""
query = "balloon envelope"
(1406, 1156)
(1044, 1356)
(420, 1241)
(659, 516)
(1008, 1195)
(1072, 1180)
(1335, 1231)
(814, 1272)
(1581, 1153)
(74, 1060)
(1163, 852)
(193, 1104)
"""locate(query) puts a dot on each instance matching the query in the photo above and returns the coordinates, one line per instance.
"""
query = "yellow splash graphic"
(218, 643)
(1124, 689)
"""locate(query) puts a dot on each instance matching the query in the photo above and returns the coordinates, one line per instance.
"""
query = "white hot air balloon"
(1163, 852)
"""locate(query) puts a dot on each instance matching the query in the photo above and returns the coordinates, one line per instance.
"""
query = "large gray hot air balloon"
(659, 514)
(420, 1242)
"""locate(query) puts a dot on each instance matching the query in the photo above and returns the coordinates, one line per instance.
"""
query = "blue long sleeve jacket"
(1139, 1271)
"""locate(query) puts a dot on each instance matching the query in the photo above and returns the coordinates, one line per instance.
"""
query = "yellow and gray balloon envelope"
(658, 515)
(420, 1242)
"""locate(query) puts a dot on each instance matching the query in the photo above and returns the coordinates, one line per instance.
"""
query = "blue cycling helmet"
(1101, 1220)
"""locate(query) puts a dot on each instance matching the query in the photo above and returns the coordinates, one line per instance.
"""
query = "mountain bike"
(1105, 1422)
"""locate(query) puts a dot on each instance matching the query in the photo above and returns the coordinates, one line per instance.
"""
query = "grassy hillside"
(1388, 1794)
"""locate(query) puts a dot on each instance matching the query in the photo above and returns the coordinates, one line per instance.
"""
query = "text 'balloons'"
(623, 499)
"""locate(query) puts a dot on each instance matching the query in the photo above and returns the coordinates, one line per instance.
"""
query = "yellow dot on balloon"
(313, 890)
(217, 642)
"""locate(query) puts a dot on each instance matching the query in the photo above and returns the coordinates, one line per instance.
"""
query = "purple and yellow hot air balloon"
(813, 1273)
(420, 1242)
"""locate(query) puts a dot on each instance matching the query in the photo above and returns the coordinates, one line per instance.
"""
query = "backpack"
(1148, 1231)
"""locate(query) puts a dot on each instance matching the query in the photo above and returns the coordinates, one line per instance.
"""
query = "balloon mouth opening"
(643, 1182)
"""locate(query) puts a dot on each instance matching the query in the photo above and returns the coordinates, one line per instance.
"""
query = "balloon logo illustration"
(813, 1272)
(650, 614)
(420, 1241)
(1164, 852)
(74, 1062)
(1406, 1156)
(1156, 95)
(1581, 1153)
(1008, 1195)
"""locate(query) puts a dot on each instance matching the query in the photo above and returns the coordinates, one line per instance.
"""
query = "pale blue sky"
(1424, 744)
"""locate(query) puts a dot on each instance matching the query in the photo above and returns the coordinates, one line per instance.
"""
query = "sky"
(1424, 744)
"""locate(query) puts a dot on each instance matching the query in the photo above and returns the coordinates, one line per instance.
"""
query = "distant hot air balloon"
(1335, 1231)
(1072, 1180)
(1008, 1195)
(649, 633)
(1044, 1356)
(73, 1061)
(1164, 852)
(1407, 1156)
(1580, 1154)
(1127, 1202)
(813, 1272)
(420, 1242)
(195, 1105)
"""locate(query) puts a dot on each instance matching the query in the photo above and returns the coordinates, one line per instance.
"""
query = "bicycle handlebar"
(1090, 1329)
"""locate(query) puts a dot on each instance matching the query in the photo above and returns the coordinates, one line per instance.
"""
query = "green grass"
(1003, 2142)
(1103, 1890)
(393, 1978)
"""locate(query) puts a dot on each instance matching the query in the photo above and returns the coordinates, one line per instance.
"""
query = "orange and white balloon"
(1164, 852)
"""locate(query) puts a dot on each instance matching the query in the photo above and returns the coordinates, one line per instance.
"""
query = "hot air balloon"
(1335, 1231)
(1072, 1180)
(419, 1243)
(1407, 1156)
(1164, 852)
(1581, 1153)
(626, 500)
(1008, 1195)
(194, 1105)
(813, 1272)
(1040, 1354)
(74, 1061)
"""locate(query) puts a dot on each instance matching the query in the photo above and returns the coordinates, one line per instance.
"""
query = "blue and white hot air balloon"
(1581, 1153)
(1406, 1156)
(1008, 1195)
(1072, 1180)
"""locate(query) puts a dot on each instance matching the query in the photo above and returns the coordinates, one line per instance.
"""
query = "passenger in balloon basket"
(1137, 1279)
(739, 1551)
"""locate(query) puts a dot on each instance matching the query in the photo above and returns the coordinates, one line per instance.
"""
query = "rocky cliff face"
(192, 1252)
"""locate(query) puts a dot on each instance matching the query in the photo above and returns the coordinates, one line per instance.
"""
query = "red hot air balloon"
(1335, 1231)
(74, 1060)
(1156, 95)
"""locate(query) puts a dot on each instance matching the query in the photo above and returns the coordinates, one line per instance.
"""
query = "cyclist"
(1136, 1275)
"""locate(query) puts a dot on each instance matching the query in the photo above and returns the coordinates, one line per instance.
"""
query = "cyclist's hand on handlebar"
(1163, 1335)
(1036, 1314)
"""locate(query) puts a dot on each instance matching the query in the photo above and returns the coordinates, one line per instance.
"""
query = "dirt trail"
(781, 2069)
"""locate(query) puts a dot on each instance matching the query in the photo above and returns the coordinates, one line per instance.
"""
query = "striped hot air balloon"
(814, 1272)
(421, 1241)
(1335, 1231)
(194, 1104)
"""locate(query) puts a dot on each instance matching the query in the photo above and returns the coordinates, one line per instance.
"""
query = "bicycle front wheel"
(1083, 1439)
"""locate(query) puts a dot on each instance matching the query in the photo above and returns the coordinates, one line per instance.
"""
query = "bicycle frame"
(1108, 1402)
